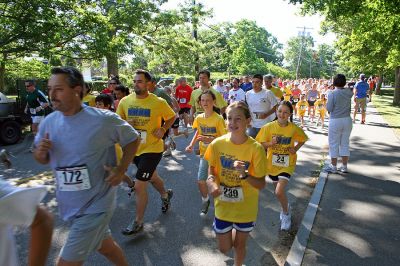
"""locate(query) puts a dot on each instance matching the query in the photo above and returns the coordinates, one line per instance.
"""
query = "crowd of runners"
(245, 129)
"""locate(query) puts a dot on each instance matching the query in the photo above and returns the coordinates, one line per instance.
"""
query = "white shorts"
(37, 119)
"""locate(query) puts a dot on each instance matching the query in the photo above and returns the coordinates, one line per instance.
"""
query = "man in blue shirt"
(360, 97)
(246, 85)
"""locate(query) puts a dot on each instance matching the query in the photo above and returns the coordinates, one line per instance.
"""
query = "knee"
(280, 193)
(224, 249)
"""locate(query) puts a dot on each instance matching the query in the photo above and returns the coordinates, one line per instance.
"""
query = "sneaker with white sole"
(167, 152)
(330, 169)
(166, 202)
(286, 221)
(343, 169)
(204, 207)
(133, 228)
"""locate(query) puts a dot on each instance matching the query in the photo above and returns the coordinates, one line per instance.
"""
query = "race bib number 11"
(74, 178)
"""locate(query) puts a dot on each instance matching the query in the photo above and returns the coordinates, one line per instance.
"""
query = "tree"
(368, 32)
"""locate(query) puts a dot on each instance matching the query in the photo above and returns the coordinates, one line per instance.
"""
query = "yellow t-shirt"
(302, 107)
(145, 116)
(210, 126)
(194, 97)
(320, 106)
(277, 92)
(89, 100)
(288, 93)
(221, 153)
(279, 159)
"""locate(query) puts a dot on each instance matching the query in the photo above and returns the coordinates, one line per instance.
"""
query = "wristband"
(211, 177)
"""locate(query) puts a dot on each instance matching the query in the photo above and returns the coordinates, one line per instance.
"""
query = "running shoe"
(4, 158)
(173, 145)
(204, 207)
(286, 222)
(167, 152)
(166, 202)
(133, 228)
(131, 189)
(330, 169)
(281, 213)
(343, 169)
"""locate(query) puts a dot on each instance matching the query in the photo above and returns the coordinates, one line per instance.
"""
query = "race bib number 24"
(281, 160)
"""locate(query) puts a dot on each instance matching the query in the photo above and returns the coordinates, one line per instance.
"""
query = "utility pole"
(194, 35)
(301, 34)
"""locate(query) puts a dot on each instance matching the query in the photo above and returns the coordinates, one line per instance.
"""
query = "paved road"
(359, 213)
(181, 237)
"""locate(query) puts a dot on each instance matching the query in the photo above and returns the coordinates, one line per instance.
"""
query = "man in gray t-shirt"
(79, 143)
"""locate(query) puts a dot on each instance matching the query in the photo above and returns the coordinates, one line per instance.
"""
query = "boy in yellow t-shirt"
(321, 109)
(209, 125)
(302, 107)
(282, 139)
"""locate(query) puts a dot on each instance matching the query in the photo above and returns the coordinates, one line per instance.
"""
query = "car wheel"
(10, 132)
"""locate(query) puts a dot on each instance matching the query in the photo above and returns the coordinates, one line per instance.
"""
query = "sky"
(278, 17)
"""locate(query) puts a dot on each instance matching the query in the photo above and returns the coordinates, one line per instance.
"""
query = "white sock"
(205, 199)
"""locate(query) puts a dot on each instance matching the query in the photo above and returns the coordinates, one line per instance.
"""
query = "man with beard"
(145, 111)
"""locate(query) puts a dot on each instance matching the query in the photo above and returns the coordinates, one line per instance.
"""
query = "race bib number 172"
(74, 178)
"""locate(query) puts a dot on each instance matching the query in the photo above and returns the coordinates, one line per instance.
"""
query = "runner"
(312, 96)
(262, 104)
(88, 98)
(120, 92)
(296, 93)
(236, 94)
(268, 81)
(282, 139)
(209, 125)
(302, 106)
(20, 207)
(182, 95)
(78, 142)
(145, 111)
(36, 102)
(235, 178)
(175, 125)
(204, 77)
(321, 109)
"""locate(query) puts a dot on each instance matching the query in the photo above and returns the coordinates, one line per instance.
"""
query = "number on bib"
(281, 160)
(74, 178)
(231, 194)
(143, 136)
(182, 100)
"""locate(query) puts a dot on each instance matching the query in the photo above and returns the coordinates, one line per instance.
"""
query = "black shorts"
(293, 102)
(184, 110)
(146, 164)
(276, 178)
(176, 123)
(310, 103)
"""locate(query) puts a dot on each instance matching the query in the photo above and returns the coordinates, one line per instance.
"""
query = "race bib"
(231, 194)
(302, 107)
(320, 106)
(295, 100)
(182, 100)
(74, 178)
(312, 99)
(32, 111)
(281, 160)
(143, 136)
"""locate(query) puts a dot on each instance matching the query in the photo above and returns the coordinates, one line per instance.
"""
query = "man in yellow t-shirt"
(145, 112)
(268, 79)
(321, 109)
(204, 78)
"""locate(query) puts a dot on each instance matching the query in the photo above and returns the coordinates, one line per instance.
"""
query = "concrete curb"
(296, 253)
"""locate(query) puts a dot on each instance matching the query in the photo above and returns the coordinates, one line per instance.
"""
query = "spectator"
(340, 125)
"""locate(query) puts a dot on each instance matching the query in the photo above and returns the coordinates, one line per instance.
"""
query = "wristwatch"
(246, 175)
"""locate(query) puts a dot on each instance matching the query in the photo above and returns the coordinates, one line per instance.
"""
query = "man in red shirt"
(182, 95)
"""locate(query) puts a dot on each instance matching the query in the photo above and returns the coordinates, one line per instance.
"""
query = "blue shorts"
(203, 170)
(276, 178)
(86, 235)
(222, 227)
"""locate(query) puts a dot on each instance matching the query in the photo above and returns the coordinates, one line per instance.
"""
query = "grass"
(391, 113)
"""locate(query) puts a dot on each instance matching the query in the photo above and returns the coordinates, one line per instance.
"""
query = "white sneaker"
(343, 169)
(167, 152)
(281, 213)
(330, 169)
(286, 221)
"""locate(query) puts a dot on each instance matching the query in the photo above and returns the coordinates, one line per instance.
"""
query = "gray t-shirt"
(81, 145)
(339, 103)
(162, 94)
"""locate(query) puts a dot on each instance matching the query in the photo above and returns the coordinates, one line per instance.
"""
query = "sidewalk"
(357, 222)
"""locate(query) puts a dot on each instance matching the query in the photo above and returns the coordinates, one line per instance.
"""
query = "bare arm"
(41, 234)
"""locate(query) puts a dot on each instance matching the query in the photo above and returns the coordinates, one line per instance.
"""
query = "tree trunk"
(112, 64)
(379, 84)
(3, 72)
(396, 96)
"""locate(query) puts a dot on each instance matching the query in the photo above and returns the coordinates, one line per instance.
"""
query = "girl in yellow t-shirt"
(209, 125)
(302, 106)
(237, 167)
(321, 109)
(282, 139)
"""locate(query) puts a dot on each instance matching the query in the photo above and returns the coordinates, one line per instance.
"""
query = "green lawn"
(384, 104)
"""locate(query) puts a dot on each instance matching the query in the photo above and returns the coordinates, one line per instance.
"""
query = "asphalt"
(357, 222)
